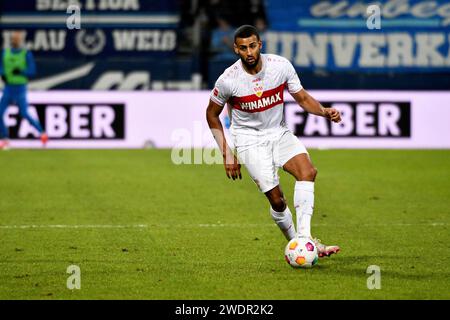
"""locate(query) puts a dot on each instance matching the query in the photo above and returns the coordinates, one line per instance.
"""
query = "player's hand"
(332, 114)
(232, 166)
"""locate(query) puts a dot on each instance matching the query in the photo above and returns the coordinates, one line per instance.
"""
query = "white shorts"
(264, 155)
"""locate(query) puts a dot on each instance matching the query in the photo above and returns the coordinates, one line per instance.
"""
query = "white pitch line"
(233, 225)
(204, 225)
(431, 224)
(68, 226)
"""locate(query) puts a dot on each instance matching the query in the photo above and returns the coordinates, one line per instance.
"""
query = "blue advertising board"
(107, 28)
(119, 45)
(361, 35)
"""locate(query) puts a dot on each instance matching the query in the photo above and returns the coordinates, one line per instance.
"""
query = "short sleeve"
(292, 79)
(221, 92)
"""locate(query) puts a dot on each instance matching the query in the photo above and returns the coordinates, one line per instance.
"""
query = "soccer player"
(16, 66)
(253, 89)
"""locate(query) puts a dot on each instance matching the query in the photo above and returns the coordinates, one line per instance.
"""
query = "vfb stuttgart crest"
(258, 89)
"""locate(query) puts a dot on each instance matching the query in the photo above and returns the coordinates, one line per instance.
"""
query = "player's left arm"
(30, 71)
(311, 105)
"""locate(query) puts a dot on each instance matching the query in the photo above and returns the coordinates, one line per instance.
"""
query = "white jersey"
(255, 102)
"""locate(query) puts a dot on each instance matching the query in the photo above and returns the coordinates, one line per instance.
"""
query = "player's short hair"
(246, 31)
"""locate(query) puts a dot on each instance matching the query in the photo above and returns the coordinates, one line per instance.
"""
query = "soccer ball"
(301, 253)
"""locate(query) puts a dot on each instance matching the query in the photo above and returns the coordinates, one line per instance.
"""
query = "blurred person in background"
(16, 67)
(261, 26)
(222, 40)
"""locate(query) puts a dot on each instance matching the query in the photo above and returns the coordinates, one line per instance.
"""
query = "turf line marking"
(204, 225)
(82, 226)
(432, 224)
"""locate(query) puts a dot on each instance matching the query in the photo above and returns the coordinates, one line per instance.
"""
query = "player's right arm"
(232, 166)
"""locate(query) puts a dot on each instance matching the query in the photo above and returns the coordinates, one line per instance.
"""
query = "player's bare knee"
(310, 174)
(278, 204)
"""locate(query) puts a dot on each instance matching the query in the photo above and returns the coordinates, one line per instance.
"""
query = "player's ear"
(235, 48)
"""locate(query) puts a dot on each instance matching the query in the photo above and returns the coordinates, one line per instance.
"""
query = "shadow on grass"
(356, 266)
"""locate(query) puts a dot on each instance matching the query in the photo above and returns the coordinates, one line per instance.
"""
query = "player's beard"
(253, 65)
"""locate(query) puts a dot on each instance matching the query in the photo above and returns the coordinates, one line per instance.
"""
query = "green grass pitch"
(140, 227)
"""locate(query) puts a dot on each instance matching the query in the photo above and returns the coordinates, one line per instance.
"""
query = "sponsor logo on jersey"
(259, 101)
(263, 103)
(216, 92)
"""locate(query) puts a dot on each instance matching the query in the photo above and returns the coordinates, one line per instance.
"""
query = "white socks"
(284, 222)
(304, 205)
